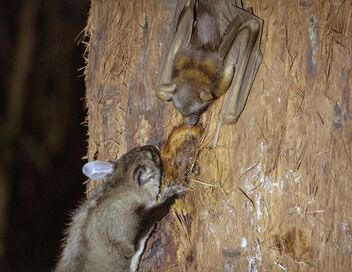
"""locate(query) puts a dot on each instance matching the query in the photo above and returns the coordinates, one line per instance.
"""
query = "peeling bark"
(274, 194)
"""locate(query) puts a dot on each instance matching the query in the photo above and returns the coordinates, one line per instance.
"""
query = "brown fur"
(204, 73)
(213, 46)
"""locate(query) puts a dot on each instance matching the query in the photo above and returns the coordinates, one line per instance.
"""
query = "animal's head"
(140, 167)
(188, 101)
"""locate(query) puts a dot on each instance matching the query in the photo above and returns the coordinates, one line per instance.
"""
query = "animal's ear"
(166, 91)
(205, 96)
(141, 175)
(98, 169)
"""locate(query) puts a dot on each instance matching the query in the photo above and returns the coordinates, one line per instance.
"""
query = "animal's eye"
(140, 176)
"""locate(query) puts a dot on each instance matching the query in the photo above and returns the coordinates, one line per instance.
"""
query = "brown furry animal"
(212, 47)
(108, 232)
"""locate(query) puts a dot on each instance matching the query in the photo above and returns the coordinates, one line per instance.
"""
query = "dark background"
(42, 138)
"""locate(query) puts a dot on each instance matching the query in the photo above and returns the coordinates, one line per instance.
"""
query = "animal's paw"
(176, 190)
(166, 91)
(230, 119)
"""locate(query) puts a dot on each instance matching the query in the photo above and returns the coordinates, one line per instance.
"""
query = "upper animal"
(212, 47)
(109, 230)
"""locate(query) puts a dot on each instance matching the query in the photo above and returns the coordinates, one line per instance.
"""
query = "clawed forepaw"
(177, 191)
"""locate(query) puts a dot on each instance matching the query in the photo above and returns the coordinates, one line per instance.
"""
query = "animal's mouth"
(154, 190)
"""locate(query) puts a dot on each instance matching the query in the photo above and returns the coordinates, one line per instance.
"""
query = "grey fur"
(109, 230)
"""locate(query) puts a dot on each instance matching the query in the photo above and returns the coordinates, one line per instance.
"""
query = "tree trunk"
(274, 194)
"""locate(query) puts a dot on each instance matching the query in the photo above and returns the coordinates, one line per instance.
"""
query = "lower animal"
(109, 230)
